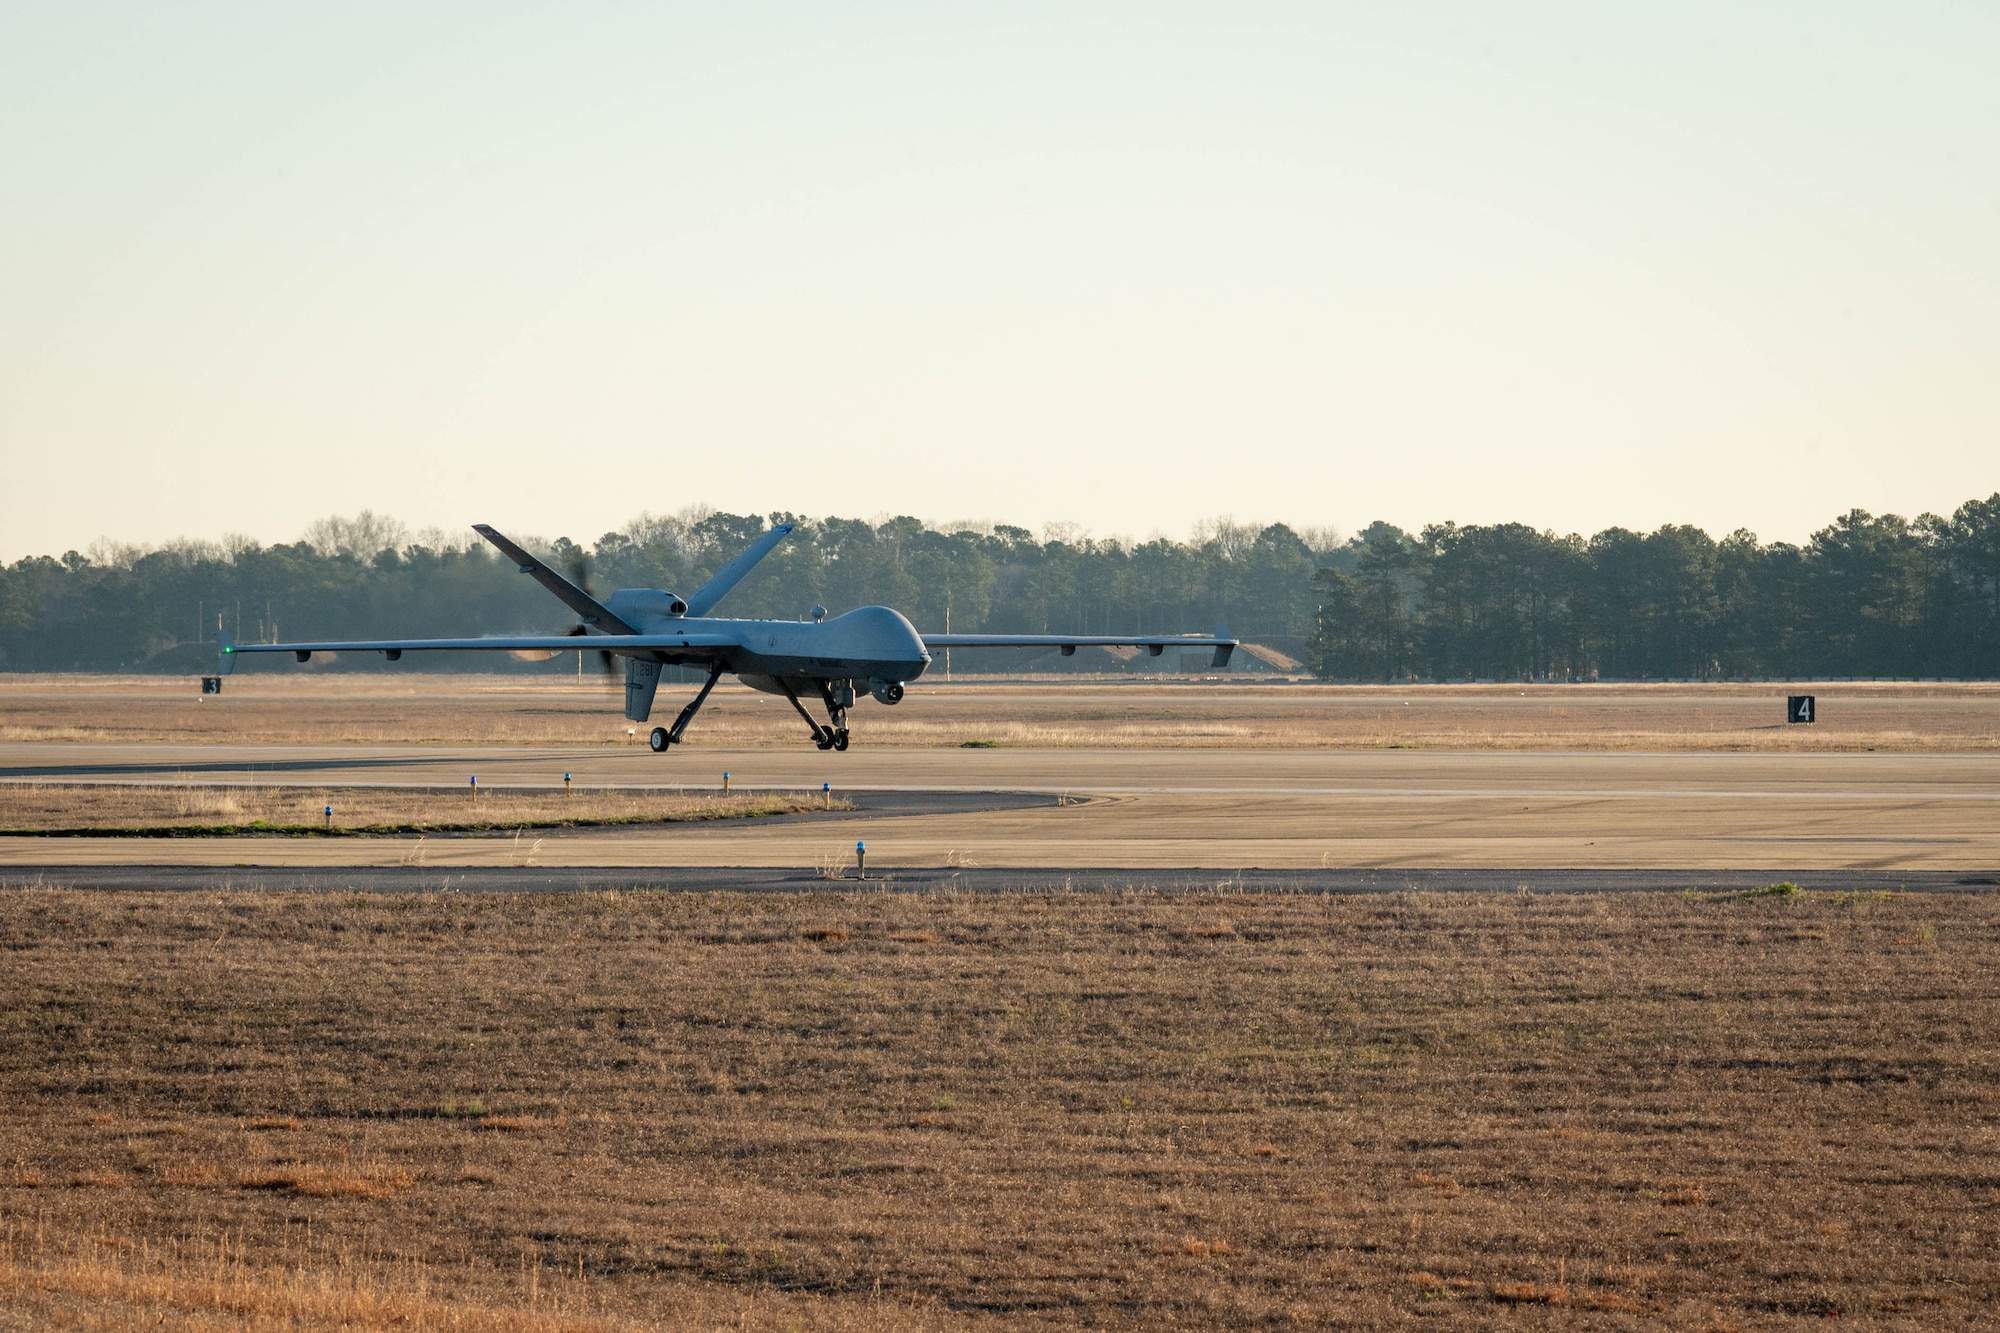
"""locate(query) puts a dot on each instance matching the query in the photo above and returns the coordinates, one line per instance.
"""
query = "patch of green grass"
(1782, 889)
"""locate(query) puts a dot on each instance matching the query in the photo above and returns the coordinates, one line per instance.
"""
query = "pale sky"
(1130, 266)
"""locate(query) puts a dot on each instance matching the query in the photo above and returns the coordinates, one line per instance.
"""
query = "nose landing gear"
(837, 698)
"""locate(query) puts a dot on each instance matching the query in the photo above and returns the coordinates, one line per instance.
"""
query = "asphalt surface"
(1438, 773)
(1112, 812)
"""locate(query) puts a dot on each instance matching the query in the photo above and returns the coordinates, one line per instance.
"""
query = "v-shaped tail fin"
(731, 574)
(593, 612)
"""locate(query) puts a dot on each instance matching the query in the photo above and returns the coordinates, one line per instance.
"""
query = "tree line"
(127, 608)
(1865, 596)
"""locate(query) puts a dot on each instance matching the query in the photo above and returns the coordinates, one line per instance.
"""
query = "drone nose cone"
(913, 642)
(894, 627)
(883, 636)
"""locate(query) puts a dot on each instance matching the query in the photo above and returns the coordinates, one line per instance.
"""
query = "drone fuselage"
(868, 643)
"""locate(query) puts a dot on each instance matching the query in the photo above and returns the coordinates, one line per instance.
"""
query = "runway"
(1412, 773)
(1108, 810)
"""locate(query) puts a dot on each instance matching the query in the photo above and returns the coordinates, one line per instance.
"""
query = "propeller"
(577, 567)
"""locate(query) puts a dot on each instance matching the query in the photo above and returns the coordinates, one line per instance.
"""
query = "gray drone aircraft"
(872, 648)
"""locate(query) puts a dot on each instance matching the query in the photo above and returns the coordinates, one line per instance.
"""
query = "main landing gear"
(838, 699)
(662, 737)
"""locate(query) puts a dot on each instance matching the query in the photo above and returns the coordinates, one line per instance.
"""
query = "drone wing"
(653, 646)
(731, 574)
(1069, 643)
(593, 612)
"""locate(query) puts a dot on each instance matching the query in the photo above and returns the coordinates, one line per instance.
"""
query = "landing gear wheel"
(658, 740)
(840, 739)
(825, 740)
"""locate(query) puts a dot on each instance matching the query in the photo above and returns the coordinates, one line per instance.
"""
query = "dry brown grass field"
(196, 809)
(893, 1111)
(332, 708)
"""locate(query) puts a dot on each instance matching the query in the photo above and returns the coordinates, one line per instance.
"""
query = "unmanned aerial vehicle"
(872, 649)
